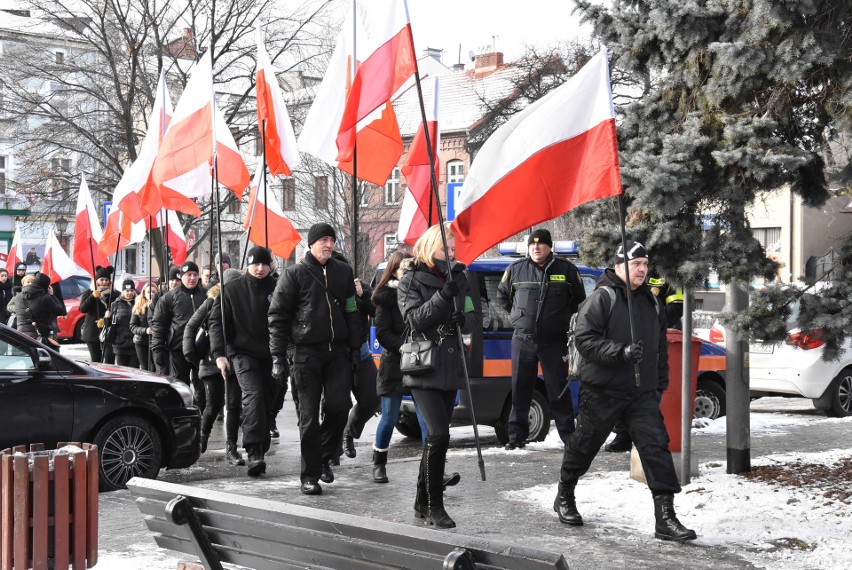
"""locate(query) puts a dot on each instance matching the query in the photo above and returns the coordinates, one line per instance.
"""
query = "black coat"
(389, 329)
(200, 319)
(427, 311)
(171, 314)
(541, 300)
(36, 311)
(5, 297)
(139, 327)
(95, 308)
(314, 305)
(246, 306)
(122, 312)
(602, 333)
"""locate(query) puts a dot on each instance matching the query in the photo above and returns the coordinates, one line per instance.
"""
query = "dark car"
(140, 422)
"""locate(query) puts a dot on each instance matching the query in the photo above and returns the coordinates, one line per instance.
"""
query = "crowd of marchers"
(239, 339)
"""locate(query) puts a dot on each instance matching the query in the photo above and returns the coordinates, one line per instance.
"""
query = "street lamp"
(61, 226)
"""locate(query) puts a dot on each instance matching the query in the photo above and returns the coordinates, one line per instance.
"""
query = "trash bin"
(49, 507)
(671, 404)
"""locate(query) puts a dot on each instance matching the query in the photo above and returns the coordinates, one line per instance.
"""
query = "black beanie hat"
(174, 272)
(320, 230)
(259, 254)
(188, 266)
(128, 284)
(42, 281)
(541, 235)
(21, 265)
(634, 251)
(104, 272)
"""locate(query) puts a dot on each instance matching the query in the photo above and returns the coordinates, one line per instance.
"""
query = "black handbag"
(107, 334)
(202, 344)
(417, 356)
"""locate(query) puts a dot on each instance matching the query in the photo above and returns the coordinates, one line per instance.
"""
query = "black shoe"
(311, 488)
(273, 431)
(380, 459)
(440, 518)
(256, 464)
(565, 505)
(512, 445)
(667, 526)
(204, 439)
(233, 455)
(349, 446)
(619, 444)
(327, 474)
(451, 480)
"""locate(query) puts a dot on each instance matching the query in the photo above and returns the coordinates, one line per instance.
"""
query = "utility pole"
(737, 396)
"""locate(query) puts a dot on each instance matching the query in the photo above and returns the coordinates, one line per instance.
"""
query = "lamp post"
(61, 227)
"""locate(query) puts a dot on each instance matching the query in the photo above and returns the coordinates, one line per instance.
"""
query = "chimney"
(434, 53)
(487, 62)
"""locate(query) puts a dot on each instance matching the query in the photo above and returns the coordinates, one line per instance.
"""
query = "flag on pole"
(136, 194)
(283, 237)
(16, 252)
(120, 232)
(87, 232)
(377, 134)
(183, 167)
(282, 154)
(56, 264)
(556, 154)
(384, 64)
(419, 206)
(175, 237)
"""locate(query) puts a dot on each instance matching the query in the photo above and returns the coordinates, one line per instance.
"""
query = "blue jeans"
(390, 413)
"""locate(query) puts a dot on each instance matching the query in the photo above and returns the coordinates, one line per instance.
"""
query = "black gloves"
(632, 352)
(355, 360)
(280, 371)
(457, 318)
(450, 290)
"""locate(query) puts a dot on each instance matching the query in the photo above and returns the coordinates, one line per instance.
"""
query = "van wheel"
(539, 419)
(709, 400)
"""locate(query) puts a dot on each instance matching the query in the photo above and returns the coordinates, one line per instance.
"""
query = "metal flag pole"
(355, 196)
(434, 181)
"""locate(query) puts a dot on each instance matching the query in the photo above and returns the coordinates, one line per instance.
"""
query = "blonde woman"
(139, 325)
(436, 308)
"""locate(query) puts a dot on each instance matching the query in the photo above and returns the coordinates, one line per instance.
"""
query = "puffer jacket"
(95, 308)
(171, 314)
(139, 327)
(427, 311)
(314, 305)
(389, 329)
(121, 313)
(602, 333)
(206, 365)
(36, 311)
(246, 305)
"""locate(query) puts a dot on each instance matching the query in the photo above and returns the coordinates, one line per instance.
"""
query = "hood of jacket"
(385, 296)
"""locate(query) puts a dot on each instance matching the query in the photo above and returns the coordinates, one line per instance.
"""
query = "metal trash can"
(49, 507)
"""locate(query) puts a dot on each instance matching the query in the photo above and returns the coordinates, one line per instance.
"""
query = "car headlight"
(184, 391)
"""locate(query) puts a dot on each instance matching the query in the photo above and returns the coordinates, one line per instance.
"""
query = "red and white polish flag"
(282, 153)
(419, 207)
(175, 237)
(87, 232)
(56, 264)
(556, 154)
(16, 252)
(120, 232)
(268, 220)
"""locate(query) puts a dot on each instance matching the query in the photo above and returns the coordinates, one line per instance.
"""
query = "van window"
(494, 317)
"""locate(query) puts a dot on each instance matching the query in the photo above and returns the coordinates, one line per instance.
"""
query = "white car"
(795, 367)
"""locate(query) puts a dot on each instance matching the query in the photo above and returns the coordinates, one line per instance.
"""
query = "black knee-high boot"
(421, 501)
(436, 456)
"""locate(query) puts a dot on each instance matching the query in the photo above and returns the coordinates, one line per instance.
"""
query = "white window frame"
(391, 243)
(4, 165)
(392, 187)
(452, 171)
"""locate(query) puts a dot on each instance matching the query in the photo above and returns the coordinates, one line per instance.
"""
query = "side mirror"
(43, 360)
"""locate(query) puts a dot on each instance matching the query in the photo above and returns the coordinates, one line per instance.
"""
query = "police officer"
(314, 308)
(243, 342)
(609, 390)
(174, 309)
(540, 293)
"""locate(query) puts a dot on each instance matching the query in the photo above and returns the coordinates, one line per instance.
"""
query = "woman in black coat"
(140, 327)
(119, 315)
(94, 303)
(36, 308)
(436, 308)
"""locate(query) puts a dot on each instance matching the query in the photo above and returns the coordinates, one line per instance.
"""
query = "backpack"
(573, 357)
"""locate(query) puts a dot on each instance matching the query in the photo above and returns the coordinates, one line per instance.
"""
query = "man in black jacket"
(314, 308)
(243, 342)
(622, 378)
(540, 293)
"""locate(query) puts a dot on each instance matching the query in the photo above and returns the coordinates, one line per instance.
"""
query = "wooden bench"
(257, 533)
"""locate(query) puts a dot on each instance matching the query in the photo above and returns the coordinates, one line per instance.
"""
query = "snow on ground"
(138, 557)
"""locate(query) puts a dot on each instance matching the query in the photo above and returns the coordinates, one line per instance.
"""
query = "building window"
(769, 238)
(2, 175)
(455, 171)
(392, 188)
(321, 192)
(232, 247)
(59, 57)
(288, 196)
(234, 206)
(258, 146)
(61, 168)
(391, 243)
(365, 195)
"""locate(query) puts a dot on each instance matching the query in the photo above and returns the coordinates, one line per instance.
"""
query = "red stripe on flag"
(266, 112)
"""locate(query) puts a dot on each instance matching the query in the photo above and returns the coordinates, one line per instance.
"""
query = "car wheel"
(709, 400)
(539, 417)
(841, 395)
(408, 426)
(78, 331)
(129, 446)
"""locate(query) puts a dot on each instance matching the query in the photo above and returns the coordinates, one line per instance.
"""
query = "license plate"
(761, 348)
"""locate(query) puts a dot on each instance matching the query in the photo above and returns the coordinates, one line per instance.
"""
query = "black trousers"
(182, 369)
(437, 409)
(259, 390)
(641, 414)
(128, 359)
(367, 401)
(142, 356)
(320, 374)
(223, 393)
(526, 357)
(97, 355)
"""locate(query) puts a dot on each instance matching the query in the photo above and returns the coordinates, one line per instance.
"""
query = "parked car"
(490, 357)
(71, 325)
(140, 422)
